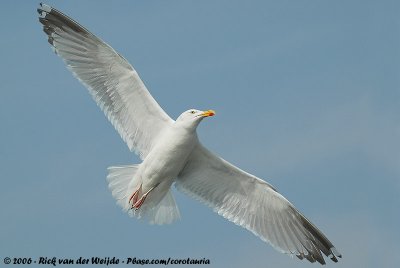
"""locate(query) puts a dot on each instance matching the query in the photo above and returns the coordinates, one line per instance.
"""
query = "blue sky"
(307, 95)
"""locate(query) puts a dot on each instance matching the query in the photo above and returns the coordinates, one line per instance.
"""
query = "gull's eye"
(192, 112)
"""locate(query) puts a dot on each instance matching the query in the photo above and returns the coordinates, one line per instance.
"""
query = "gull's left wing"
(253, 204)
(114, 84)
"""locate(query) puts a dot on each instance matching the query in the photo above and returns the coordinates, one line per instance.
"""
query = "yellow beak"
(208, 113)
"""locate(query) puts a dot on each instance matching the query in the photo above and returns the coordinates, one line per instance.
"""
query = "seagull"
(171, 152)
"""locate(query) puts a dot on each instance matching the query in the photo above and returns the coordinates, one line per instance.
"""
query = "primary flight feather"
(171, 151)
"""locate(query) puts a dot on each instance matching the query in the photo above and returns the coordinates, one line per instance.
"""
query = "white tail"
(165, 212)
(119, 179)
(122, 183)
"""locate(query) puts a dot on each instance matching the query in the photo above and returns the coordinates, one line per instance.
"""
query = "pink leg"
(135, 196)
(140, 202)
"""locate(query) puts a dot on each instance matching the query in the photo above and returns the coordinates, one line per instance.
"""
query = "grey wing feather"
(253, 204)
(112, 81)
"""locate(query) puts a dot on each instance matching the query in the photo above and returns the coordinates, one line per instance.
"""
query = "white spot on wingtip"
(334, 251)
(45, 7)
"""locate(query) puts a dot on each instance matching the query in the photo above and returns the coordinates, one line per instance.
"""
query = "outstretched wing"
(114, 84)
(253, 204)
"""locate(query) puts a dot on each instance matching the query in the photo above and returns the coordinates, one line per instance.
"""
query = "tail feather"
(165, 212)
(122, 183)
(119, 179)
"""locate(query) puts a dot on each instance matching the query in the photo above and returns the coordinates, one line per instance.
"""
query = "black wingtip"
(54, 18)
(319, 242)
(335, 254)
(41, 11)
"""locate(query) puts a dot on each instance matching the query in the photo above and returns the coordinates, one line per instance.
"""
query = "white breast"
(168, 157)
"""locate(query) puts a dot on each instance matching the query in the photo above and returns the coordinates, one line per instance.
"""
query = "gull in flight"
(172, 153)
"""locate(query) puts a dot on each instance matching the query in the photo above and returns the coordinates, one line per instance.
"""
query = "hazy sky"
(307, 95)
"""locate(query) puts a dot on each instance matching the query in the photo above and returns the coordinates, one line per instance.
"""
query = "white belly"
(166, 160)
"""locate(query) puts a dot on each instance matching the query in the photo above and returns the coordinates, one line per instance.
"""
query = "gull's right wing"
(253, 204)
(114, 84)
